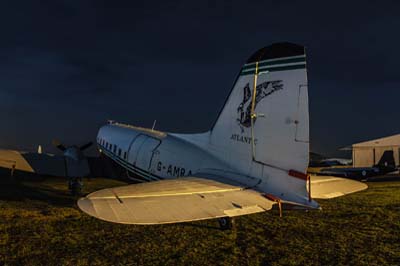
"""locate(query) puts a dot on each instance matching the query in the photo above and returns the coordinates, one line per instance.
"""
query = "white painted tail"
(265, 118)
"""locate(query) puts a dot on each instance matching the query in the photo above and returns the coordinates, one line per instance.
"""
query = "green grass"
(41, 225)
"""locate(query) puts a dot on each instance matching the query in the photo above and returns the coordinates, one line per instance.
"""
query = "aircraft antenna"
(154, 125)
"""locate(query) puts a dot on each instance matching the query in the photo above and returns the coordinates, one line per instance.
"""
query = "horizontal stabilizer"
(171, 201)
(327, 187)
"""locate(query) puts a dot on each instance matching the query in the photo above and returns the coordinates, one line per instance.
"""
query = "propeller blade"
(85, 146)
(59, 145)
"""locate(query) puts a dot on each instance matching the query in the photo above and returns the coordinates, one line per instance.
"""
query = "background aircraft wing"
(327, 187)
(30, 162)
(72, 163)
(172, 201)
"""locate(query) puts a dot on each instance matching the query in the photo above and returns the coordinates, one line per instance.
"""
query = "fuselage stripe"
(278, 60)
(272, 69)
(277, 63)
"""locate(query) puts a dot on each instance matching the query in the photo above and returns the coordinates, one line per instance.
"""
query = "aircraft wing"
(327, 187)
(171, 201)
(42, 164)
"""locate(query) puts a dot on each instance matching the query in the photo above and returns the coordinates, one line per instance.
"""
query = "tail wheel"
(225, 223)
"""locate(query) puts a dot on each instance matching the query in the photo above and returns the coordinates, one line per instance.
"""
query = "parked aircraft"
(71, 164)
(385, 165)
(318, 160)
(254, 156)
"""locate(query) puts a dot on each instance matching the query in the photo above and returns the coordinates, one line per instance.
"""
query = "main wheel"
(225, 223)
(75, 186)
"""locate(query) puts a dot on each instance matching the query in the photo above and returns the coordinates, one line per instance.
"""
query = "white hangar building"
(368, 153)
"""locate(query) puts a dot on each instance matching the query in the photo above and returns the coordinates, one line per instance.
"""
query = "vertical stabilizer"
(266, 113)
(265, 119)
(387, 160)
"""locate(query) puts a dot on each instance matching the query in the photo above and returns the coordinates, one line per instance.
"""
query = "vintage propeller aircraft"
(72, 164)
(254, 156)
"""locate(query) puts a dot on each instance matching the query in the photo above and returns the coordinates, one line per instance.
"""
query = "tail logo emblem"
(262, 91)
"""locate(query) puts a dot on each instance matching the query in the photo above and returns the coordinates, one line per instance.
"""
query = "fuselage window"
(119, 152)
(125, 155)
(115, 148)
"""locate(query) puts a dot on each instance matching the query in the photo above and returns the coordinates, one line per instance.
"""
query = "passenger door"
(135, 147)
(146, 153)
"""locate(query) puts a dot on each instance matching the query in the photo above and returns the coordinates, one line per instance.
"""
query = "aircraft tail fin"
(387, 160)
(265, 121)
(266, 114)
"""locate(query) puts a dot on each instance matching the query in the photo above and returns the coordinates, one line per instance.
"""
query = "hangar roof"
(381, 142)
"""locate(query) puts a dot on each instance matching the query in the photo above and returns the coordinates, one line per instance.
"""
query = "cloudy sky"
(68, 66)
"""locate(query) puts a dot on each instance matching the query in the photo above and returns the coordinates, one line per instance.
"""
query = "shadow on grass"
(197, 225)
(386, 178)
(20, 190)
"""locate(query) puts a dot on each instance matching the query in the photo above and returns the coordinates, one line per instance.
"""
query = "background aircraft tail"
(387, 160)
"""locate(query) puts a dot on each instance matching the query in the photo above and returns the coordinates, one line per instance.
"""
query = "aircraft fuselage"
(153, 155)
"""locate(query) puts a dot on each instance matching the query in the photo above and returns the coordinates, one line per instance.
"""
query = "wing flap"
(171, 201)
(327, 187)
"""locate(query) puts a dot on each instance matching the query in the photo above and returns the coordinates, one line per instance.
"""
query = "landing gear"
(75, 185)
(226, 223)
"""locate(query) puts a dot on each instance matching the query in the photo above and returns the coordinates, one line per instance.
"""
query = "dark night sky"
(65, 68)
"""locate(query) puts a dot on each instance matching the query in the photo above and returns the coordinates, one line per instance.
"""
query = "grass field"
(41, 225)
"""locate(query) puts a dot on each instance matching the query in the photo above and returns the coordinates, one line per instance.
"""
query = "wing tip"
(86, 205)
